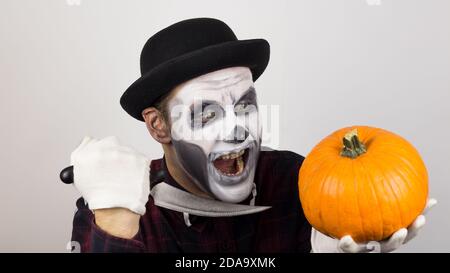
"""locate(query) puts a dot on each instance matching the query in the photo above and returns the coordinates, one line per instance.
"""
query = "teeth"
(232, 155)
(240, 165)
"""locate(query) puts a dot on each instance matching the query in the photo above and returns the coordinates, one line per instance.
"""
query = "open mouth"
(232, 163)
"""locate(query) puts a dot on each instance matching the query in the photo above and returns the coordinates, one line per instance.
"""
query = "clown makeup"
(216, 132)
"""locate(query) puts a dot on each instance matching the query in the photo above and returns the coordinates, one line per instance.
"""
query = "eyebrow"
(249, 92)
(204, 102)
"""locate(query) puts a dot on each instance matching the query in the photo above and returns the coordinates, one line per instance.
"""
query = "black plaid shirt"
(282, 228)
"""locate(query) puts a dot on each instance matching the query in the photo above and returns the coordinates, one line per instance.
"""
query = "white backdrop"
(65, 63)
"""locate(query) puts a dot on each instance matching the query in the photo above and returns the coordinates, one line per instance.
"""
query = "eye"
(208, 115)
(204, 115)
(242, 107)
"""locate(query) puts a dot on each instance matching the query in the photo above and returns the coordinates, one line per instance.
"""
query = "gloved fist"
(322, 243)
(110, 175)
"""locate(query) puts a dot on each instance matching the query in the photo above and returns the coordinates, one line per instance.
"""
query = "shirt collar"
(159, 173)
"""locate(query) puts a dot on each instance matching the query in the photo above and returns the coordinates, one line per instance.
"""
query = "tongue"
(226, 165)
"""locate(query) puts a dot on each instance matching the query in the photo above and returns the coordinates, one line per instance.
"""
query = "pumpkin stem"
(353, 147)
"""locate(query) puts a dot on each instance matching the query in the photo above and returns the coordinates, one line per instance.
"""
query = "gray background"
(334, 63)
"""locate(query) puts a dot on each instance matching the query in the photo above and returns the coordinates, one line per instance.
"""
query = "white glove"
(110, 175)
(322, 243)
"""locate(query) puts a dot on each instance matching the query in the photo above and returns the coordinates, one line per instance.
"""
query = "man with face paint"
(215, 133)
(215, 189)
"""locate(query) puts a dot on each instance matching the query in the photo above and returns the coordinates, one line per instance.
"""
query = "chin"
(233, 193)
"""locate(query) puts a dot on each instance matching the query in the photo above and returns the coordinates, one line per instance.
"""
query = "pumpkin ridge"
(407, 185)
(320, 157)
(338, 186)
(418, 182)
(399, 209)
(408, 164)
(410, 170)
(306, 163)
(377, 190)
(397, 172)
(327, 185)
(358, 202)
(374, 193)
(392, 172)
(323, 180)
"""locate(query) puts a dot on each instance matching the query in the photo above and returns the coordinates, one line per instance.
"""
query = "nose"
(238, 135)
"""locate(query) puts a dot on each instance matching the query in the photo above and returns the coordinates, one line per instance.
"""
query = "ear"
(157, 126)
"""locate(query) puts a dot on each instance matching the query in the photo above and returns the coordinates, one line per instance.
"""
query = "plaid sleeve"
(90, 238)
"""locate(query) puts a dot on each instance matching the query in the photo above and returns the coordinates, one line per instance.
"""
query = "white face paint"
(216, 132)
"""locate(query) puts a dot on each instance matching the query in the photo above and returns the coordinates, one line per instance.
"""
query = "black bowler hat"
(186, 50)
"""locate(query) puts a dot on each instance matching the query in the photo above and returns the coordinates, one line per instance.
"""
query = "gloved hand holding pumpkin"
(322, 243)
(366, 186)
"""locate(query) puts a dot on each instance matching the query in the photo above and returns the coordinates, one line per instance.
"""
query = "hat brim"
(146, 90)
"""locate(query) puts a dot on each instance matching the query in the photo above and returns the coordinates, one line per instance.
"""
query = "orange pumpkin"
(362, 181)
